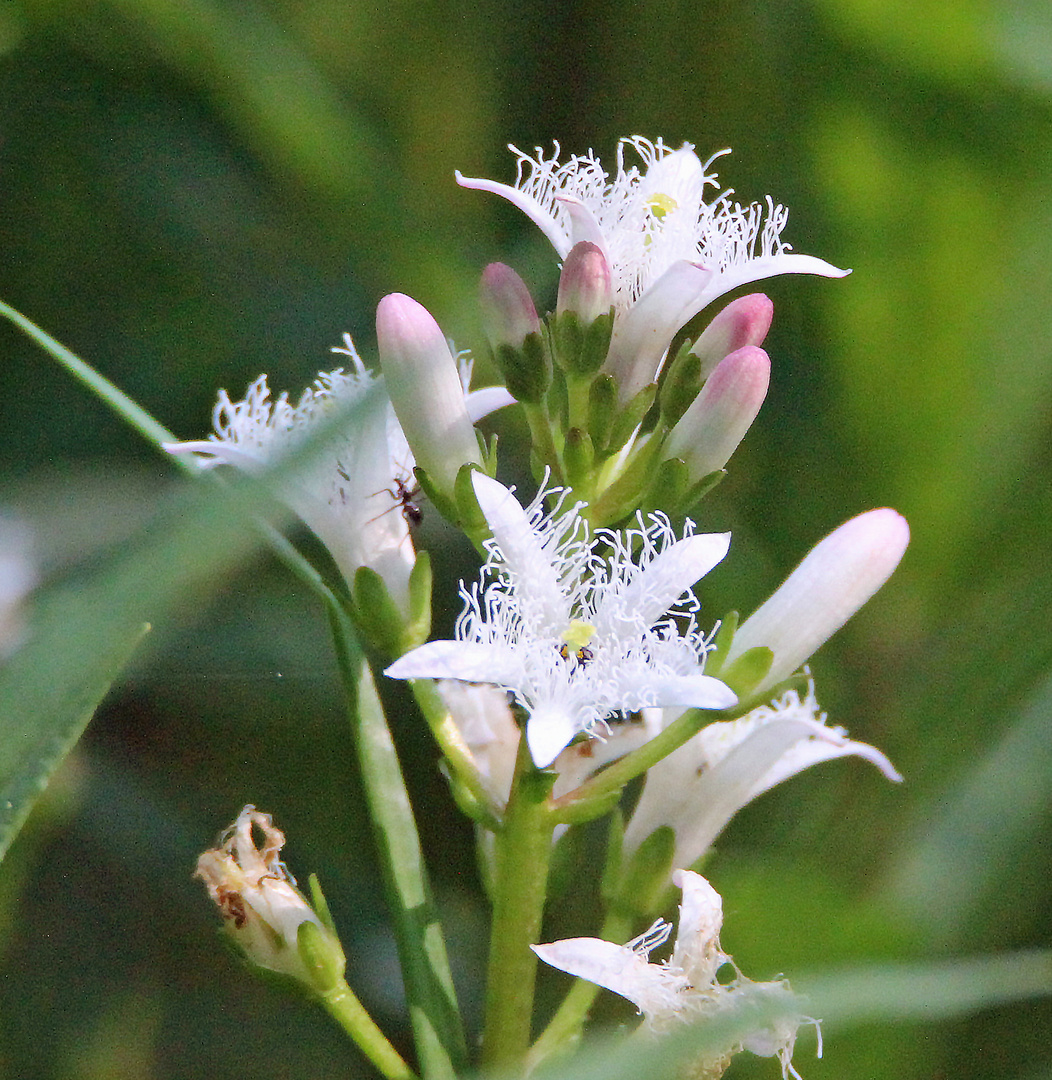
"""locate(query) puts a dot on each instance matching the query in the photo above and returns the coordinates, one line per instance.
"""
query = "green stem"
(565, 1026)
(614, 778)
(349, 1013)
(541, 436)
(456, 753)
(523, 851)
(433, 1012)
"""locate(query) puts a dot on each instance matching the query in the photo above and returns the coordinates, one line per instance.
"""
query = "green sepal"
(596, 344)
(746, 673)
(680, 385)
(319, 903)
(488, 450)
(470, 517)
(578, 459)
(527, 370)
(615, 842)
(438, 499)
(602, 409)
(418, 628)
(579, 349)
(702, 487)
(722, 643)
(630, 416)
(645, 878)
(322, 957)
(377, 616)
(668, 491)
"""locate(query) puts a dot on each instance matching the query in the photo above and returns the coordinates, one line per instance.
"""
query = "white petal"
(758, 269)
(663, 581)
(643, 334)
(545, 221)
(486, 400)
(584, 224)
(536, 584)
(693, 691)
(614, 967)
(469, 661)
(834, 580)
(549, 730)
(697, 951)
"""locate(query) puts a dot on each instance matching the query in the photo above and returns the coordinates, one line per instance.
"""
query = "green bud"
(578, 458)
(631, 415)
(377, 616)
(581, 349)
(527, 370)
(602, 409)
(681, 385)
(322, 957)
(418, 629)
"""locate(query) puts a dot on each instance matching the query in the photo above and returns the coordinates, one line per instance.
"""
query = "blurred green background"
(194, 192)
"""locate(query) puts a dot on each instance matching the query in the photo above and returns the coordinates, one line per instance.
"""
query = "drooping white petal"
(697, 951)
(583, 224)
(650, 987)
(549, 730)
(470, 661)
(690, 691)
(487, 399)
(698, 788)
(544, 220)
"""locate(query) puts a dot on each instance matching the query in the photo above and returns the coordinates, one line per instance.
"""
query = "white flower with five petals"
(354, 496)
(685, 987)
(579, 628)
(671, 251)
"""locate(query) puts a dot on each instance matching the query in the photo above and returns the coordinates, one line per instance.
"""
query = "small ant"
(405, 497)
(581, 655)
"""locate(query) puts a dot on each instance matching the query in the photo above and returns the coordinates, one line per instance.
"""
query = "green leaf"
(47, 698)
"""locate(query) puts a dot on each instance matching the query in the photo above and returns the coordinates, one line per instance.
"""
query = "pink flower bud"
(425, 389)
(710, 430)
(584, 286)
(742, 322)
(508, 312)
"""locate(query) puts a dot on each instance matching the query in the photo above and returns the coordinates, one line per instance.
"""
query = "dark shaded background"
(192, 193)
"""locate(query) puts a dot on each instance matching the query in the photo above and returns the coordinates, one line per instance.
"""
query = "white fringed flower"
(578, 628)
(698, 788)
(671, 252)
(683, 988)
(354, 497)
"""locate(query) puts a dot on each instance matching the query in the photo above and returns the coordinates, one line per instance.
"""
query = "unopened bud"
(835, 579)
(742, 322)
(585, 286)
(710, 430)
(425, 389)
(511, 325)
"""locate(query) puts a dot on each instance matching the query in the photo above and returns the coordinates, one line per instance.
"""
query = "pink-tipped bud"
(835, 579)
(710, 430)
(508, 313)
(425, 389)
(742, 322)
(585, 286)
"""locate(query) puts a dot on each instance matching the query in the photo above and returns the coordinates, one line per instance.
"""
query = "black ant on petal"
(405, 497)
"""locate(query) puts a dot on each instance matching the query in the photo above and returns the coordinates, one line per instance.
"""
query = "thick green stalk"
(345, 1008)
(433, 1011)
(522, 853)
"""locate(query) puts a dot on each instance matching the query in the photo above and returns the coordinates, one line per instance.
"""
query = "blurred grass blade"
(929, 991)
(434, 1014)
(42, 721)
(975, 836)
(121, 404)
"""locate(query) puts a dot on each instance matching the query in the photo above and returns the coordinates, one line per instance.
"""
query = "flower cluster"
(580, 647)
